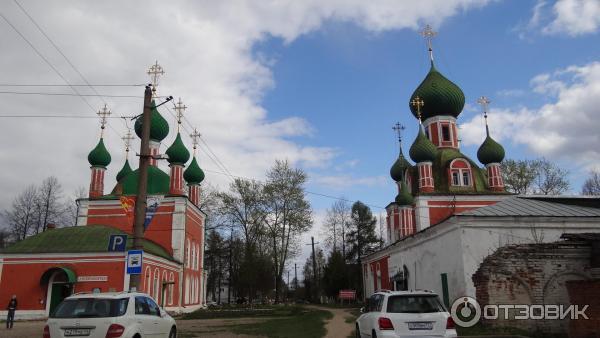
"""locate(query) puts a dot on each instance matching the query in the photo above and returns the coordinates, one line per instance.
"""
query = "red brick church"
(43, 269)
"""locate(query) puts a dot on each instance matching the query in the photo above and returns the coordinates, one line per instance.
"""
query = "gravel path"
(337, 327)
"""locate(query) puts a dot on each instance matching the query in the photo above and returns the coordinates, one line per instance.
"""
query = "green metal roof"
(159, 127)
(78, 239)
(193, 174)
(440, 95)
(177, 152)
(404, 197)
(399, 167)
(99, 156)
(422, 150)
(490, 151)
(126, 170)
(158, 182)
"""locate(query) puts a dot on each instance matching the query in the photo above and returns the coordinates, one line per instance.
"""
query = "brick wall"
(531, 274)
(585, 292)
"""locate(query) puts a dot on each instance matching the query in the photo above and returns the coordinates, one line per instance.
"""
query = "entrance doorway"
(58, 283)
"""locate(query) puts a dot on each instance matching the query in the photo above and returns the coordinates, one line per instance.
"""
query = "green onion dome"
(404, 197)
(193, 174)
(440, 95)
(158, 182)
(126, 170)
(99, 156)
(399, 167)
(490, 151)
(422, 150)
(159, 128)
(177, 152)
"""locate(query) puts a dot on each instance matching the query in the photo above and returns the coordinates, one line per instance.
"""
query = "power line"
(65, 85)
(52, 67)
(69, 94)
(60, 116)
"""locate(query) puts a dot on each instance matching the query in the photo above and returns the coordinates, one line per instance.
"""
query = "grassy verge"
(307, 323)
(243, 311)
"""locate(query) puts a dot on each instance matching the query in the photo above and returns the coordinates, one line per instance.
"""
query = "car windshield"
(91, 308)
(414, 304)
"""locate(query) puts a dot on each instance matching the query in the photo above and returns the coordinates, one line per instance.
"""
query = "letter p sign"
(117, 243)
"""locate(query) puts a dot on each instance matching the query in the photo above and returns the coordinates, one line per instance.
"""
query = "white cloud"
(565, 128)
(206, 49)
(570, 17)
(574, 17)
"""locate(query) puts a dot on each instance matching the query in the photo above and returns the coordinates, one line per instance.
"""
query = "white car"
(109, 315)
(405, 314)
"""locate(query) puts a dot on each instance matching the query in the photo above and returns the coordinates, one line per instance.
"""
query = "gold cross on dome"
(429, 34)
(179, 109)
(155, 72)
(484, 102)
(398, 128)
(127, 139)
(418, 103)
(195, 139)
(103, 113)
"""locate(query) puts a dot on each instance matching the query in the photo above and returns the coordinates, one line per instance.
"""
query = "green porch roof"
(78, 239)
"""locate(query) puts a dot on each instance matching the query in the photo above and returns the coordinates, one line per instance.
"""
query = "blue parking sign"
(134, 262)
(117, 243)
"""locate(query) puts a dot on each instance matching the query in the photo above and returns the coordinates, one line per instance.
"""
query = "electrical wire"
(69, 94)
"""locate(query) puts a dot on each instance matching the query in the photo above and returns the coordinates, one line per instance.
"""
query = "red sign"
(347, 294)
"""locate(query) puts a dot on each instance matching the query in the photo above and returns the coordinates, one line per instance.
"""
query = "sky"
(319, 83)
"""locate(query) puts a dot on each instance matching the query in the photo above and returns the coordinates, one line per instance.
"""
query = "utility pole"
(140, 204)
(295, 278)
(314, 259)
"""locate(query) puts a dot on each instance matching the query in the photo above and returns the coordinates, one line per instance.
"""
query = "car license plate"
(420, 325)
(77, 332)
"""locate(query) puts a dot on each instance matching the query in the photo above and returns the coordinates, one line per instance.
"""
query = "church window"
(445, 133)
(155, 285)
(171, 286)
(460, 172)
(147, 286)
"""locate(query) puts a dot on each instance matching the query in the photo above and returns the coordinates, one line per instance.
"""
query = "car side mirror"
(162, 312)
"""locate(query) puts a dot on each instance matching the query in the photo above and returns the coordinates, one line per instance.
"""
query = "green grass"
(245, 311)
(305, 324)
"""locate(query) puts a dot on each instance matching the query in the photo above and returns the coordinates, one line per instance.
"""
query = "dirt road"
(337, 327)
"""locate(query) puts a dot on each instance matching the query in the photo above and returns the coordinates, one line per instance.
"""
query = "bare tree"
(289, 214)
(591, 186)
(49, 204)
(210, 203)
(71, 206)
(21, 218)
(538, 176)
(336, 224)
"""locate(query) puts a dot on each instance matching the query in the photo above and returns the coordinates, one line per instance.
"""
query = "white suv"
(405, 314)
(109, 315)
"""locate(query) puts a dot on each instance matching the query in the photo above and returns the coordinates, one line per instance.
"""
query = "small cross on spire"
(429, 34)
(179, 109)
(398, 128)
(103, 113)
(195, 139)
(155, 72)
(127, 139)
(418, 103)
(484, 102)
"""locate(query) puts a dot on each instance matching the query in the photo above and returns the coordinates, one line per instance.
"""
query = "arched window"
(156, 283)
(460, 173)
(171, 287)
(187, 290)
(163, 292)
(147, 287)
(187, 253)
(193, 267)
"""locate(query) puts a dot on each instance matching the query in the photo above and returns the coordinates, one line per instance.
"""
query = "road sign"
(134, 262)
(117, 243)
(347, 294)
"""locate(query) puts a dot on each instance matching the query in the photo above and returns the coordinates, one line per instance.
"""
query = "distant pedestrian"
(12, 307)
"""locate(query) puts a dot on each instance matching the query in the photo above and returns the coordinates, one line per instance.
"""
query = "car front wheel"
(358, 332)
(173, 333)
